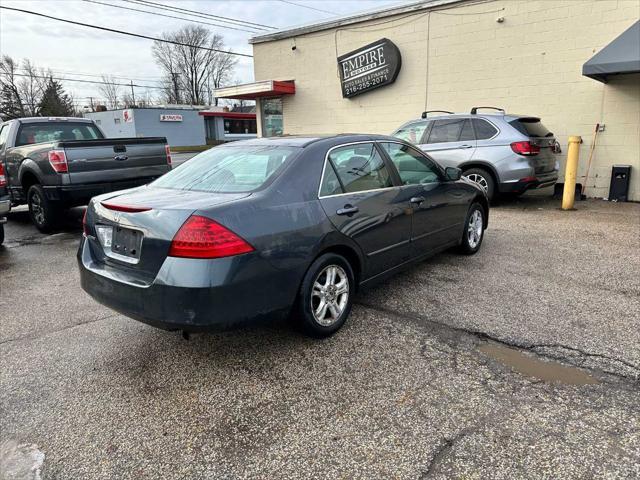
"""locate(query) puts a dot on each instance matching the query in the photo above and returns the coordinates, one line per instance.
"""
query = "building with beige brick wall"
(523, 56)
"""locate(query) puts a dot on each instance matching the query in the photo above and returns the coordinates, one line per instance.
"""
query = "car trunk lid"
(132, 230)
(541, 138)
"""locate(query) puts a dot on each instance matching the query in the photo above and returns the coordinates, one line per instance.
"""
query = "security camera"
(500, 19)
(294, 47)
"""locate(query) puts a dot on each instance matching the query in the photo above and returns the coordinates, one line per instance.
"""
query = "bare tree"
(11, 105)
(21, 88)
(191, 71)
(220, 72)
(111, 91)
(127, 101)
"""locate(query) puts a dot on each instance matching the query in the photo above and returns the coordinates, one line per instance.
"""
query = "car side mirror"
(453, 173)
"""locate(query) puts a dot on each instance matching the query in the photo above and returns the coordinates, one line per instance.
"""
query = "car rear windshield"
(228, 169)
(531, 127)
(56, 131)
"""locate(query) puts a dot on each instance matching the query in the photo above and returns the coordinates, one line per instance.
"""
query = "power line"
(170, 16)
(96, 75)
(310, 8)
(97, 27)
(197, 13)
(85, 81)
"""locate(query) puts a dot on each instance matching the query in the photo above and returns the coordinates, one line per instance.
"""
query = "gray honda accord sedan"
(281, 225)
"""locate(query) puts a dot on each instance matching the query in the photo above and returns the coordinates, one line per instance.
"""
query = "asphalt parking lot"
(522, 361)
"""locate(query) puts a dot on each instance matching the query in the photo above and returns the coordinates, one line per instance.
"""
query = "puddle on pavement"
(548, 371)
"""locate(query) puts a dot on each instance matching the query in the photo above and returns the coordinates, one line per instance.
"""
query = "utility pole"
(176, 93)
(133, 95)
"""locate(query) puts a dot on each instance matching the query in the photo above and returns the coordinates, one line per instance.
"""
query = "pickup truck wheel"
(1, 233)
(44, 213)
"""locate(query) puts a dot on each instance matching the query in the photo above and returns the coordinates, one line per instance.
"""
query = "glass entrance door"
(271, 113)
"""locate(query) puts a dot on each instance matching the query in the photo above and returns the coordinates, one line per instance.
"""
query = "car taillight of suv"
(525, 148)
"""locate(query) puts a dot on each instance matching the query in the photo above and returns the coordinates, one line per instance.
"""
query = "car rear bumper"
(522, 185)
(5, 207)
(81, 193)
(191, 294)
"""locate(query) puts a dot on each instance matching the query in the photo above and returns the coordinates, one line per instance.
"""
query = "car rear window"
(531, 127)
(53, 132)
(228, 169)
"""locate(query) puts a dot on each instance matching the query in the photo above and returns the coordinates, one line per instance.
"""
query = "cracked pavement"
(403, 391)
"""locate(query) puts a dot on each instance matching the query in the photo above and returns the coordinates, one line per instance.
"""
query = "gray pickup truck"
(56, 163)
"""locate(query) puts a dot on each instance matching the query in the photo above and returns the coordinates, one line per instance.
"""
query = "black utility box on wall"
(619, 187)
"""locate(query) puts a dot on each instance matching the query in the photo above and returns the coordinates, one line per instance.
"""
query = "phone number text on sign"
(366, 82)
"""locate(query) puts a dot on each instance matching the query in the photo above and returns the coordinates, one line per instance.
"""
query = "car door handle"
(120, 158)
(465, 146)
(417, 200)
(347, 210)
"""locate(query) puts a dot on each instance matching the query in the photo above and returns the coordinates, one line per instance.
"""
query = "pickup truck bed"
(65, 173)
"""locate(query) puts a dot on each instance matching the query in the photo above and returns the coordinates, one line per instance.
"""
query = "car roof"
(53, 119)
(505, 116)
(305, 140)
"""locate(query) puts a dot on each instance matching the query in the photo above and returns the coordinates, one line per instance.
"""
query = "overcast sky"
(71, 50)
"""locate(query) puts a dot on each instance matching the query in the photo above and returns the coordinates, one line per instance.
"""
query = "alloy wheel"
(480, 180)
(474, 228)
(329, 295)
(37, 209)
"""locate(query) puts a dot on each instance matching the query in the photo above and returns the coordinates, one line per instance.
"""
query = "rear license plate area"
(126, 242)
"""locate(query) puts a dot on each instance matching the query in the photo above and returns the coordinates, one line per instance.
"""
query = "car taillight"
(85, 227)
(167, 150)
(3, 178)
(201, 237)
(58, 160)
(525, 148)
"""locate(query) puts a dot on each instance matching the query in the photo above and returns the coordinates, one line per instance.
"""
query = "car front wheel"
(473, 230)
(326, 295)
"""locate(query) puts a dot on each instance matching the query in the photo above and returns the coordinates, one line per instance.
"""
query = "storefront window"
(271, 117)
(236, 126)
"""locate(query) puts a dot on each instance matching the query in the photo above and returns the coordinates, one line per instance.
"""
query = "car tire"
(483, 178)
(1, 233)
(473, 233)
(326, 281)
(43, 212)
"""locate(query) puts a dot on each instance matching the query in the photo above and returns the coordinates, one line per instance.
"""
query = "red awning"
(236, 115)
(251, 91)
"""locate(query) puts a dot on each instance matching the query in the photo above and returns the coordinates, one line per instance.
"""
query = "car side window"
(467, 132)
(413, 167)
(413, 132)
(484, 129)
(448, 130)
(4, 134)
(330, 183)
(359, 168)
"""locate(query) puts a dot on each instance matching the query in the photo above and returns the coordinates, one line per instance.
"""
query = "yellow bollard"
(570, 173)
